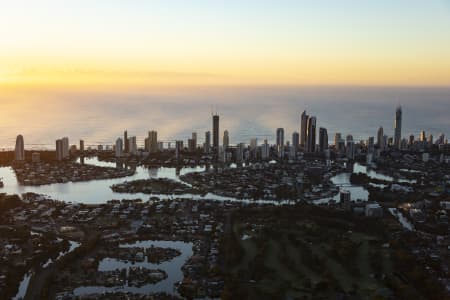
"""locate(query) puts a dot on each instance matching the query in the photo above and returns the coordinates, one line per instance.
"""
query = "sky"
(122, 44)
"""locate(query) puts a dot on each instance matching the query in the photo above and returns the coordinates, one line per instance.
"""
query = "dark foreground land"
(239, 251)
(307, 252)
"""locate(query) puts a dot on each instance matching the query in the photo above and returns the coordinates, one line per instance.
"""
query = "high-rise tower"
(380, 138)
(280, 137)
(323, 139)
(216, 132)
(226, 140)
(19, 153)
(398, 127)
(295, 140)
(303, 128)
(311, 135)
(119, 148)
(126, 142)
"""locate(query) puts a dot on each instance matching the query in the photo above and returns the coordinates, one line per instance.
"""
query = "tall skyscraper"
(350, 147)
(81, 146)
(65, 147)
(430, 139)
(411, 140)
(380, 138)
(280, 137)
(311, 135)
(194, 139)
(226, 140)
(323, 139)
(265, 150)
(253, 147)
(19, 152)
(59, 150)
(423, 137)
(441, 139)
(337, 138)
(240, 152)
(119, 147)
(398, 127)
(370, 144)
(192, 142)
(216, 132)
(132, 145)
(295, 140)
(126, 142)
(303, 128)
(152, 142)
(178, 149)
(207, 144)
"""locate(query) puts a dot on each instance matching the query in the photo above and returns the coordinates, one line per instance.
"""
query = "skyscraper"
(216, 132)
(280, 142)
(303, 128)
(194, 139)
(350, 147)
(152, 142)
(226, 140)
(370, 144)
(192, 142)
(178, 149)
(380, 138)
(253, 147)
(295, 140)
(441, 139)
(265, 150)
(311, 135)
(19, 153)
(423, 137)
(337, 138)
(398, 127)
(65, 147)
(240, 152)
(126, 142)
(81, 146)
(280, 137)
(132, 145)
(323, 139)
(59, 150)
(207, 144)
(119, 147)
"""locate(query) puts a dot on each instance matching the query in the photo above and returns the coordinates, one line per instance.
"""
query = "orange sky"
(158, 43)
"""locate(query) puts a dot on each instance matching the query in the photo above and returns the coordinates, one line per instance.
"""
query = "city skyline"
(314, 140)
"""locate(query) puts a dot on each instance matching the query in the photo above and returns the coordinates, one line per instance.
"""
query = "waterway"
(342, 180)
(99, 191)
(171, 267)
(401, 218)
(23, 286)
(73, 245)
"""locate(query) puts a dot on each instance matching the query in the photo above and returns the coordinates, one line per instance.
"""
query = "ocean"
(100, 116)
